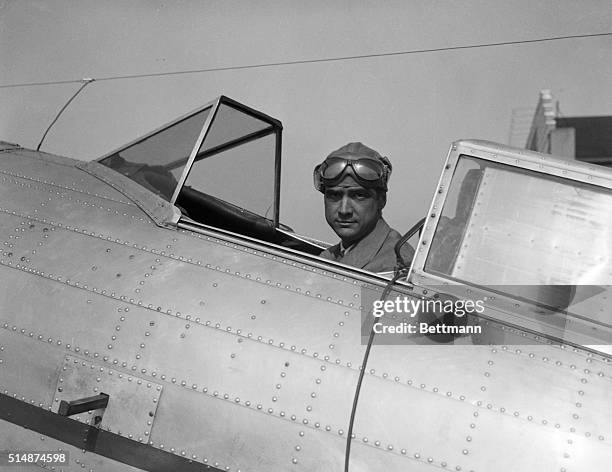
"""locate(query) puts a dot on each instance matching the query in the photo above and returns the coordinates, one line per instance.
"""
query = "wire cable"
(315, 61)
(86, 82)
(349, 435)
(401, 270)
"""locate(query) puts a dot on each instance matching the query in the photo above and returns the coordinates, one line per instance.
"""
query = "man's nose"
(346, 207)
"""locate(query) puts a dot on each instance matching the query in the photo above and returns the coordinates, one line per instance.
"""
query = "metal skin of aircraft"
(152, 316)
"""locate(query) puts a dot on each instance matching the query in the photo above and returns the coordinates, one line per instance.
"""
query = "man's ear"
(381, 196)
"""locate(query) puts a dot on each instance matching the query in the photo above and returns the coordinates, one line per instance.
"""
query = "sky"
(409, 107)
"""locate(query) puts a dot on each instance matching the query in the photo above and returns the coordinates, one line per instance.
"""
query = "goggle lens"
(365, 169)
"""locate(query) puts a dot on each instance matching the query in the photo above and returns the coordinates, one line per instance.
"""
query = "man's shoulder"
(386, 259)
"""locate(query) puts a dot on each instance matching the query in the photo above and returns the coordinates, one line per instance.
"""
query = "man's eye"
(332, 195)
(362, 195)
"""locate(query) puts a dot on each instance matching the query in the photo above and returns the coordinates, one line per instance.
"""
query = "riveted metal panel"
(316, 393)
(70, 208)
(109, 267)
(28, 368)
(518, 378)
(25, 239)
(260, 308)
(282, 271)
(437, 423)
(51, 173)
(453, 371)
(529, 445)
(70, 317)
(240, 437)
(132, 400)
(285, 381)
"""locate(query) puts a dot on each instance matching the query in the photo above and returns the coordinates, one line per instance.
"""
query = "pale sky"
(408, 107)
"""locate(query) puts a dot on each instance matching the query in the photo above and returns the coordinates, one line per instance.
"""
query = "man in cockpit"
(353, 180)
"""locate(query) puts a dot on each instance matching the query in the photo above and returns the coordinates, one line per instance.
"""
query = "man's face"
(352, 210)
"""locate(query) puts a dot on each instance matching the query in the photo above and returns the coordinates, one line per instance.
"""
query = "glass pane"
(157, 161)
(504, 226)
(242, 175)
(230, 124)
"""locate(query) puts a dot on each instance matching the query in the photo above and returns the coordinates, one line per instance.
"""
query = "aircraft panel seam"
(73, 189)
(38, 155)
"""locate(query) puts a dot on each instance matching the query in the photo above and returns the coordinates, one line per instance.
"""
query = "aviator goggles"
(369, 172)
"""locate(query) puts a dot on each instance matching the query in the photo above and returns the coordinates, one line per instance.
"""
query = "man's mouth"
(345, 224)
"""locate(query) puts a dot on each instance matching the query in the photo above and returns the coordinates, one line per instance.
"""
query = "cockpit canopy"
(220, 164)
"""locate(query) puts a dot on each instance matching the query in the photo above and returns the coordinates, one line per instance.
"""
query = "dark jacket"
(375, 252)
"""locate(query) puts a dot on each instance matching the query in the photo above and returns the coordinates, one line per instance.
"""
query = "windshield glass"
(236, 162)
(219, 166)
(157, 161)
(242, 176)
(533, 236)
